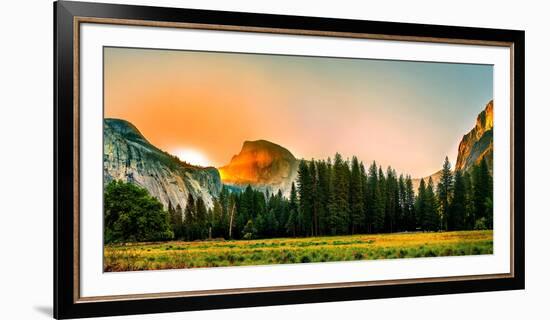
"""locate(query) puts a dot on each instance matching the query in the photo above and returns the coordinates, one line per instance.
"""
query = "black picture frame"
(66, 193)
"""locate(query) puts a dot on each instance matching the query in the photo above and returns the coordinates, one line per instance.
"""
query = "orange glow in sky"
(191, 156)
(202, 106)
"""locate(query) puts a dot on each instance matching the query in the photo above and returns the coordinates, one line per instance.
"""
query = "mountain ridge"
(130, 157)
(477, 144)
(263, 164)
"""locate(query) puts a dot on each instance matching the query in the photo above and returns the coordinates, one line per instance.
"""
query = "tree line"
(329, 197)
(336, 197)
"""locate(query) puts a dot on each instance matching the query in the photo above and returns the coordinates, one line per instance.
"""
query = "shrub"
(132, 214)
(481, 224)
(249, 230)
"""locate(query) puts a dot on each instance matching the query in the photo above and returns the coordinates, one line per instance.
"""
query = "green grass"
(200, 254)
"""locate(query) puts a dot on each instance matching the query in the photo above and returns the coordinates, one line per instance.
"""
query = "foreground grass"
(197, 254)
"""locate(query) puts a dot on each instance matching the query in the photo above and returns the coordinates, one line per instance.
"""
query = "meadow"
(223, 253)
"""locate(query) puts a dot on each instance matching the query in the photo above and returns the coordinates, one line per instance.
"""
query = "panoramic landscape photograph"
(214, 159)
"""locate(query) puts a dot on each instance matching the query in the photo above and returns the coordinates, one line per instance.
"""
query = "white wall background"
(26, 158)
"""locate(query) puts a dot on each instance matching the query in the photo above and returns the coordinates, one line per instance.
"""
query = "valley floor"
(221, 253)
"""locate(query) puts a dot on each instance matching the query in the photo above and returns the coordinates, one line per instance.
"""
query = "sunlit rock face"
(263, 165)
(129, 157)
(474, 146)
(478, 143)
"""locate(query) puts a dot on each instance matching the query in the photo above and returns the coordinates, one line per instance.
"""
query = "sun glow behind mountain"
(210, 102)
(192, 156)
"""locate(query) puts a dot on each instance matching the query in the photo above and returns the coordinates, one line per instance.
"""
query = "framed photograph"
(208, 160)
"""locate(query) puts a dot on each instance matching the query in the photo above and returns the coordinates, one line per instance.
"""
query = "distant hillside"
(435, 177)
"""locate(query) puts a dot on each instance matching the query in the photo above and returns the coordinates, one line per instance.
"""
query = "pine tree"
(332, 216)
(457, 208)
(281, 212)
(292, 222)
(304, 193)
(469, 202)
(259, 204)
(409, 204)
(420, 205)
(482, 195)
(489, 197)
(371, 197)
(365, 195)
(323, 194)
(379, 213)
(444, 192)
(223, 201)
(245, 208)
(171, 214)
(180, 233)
(270, 224)
(390, 207)
(201, 219)
(402, 213)
(189, 218)
(217, 220)
(432, 217)
(339, 207)
(314, 198)
(356, 197)
(174, 219)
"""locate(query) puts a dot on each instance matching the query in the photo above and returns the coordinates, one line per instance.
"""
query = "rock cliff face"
(477, 144)
(474, 146)
(129, 157)
(262, 164)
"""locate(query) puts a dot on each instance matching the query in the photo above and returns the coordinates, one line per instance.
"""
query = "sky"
(202, 106)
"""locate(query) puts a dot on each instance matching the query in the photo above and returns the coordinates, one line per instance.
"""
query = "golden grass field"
(221, 253)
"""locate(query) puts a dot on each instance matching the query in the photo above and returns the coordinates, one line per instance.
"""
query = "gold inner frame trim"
(146, 23)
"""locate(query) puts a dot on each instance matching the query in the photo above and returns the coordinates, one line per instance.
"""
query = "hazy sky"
(202, 106)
